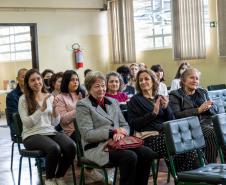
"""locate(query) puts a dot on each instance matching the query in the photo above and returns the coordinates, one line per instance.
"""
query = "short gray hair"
(92, 78)
(115, 74)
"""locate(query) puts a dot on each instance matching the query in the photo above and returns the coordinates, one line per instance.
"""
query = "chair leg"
(20, 170)
(155, 168)
(168, 176)
(82, 175)
(29, 162)
(105, 176)
(115, 176)
(73, 173)
(39, 170)
(12, 153)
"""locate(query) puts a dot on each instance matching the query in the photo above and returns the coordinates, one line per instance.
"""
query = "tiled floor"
(8, 177)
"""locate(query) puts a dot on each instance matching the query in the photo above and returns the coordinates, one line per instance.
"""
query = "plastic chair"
(85, 163)
(36, 154)
(185, 135)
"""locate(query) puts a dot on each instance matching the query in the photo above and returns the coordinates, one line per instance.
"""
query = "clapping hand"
(205, 106)
(44, 104)
(164, 101)
(157, 105)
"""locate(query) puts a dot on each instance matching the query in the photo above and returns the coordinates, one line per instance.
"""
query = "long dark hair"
(178, 75)
(28, 92)
(66, 80)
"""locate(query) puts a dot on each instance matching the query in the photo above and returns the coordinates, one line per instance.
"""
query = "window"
(15, 43)
(152, 22)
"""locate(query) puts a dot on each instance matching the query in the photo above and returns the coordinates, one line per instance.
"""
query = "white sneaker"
(111, 173)
(92, 176)
(50, 182)
(60, 181)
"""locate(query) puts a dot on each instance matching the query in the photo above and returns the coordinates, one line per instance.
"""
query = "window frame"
(34, 41)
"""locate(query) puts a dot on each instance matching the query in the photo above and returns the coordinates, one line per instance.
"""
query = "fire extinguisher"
(78, 55)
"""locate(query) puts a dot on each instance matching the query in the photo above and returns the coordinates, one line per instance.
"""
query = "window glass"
(15, 43)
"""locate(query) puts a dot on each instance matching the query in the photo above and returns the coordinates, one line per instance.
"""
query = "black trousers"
(183, 162)
(134, 164)
(60, 152)
(211, 149)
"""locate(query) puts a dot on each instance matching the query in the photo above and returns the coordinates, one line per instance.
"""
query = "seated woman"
(160, 76)
(65, 104)
(114, 87)
(99, 120)
(124, 71)
(134, 68)
(55, 83)
(190, 100)
(176, 81)
(38, 115)
(146, 113)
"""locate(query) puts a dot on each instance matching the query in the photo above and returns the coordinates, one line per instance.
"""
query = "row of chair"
(182, 135)
(185, 135)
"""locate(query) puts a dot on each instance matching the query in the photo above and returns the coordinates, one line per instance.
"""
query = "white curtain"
(221, 13)
(122, 31)
(188, 29)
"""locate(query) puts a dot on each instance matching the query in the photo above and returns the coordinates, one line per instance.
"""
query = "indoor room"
(94, 71)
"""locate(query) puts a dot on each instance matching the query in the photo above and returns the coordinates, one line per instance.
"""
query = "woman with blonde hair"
(190, 100)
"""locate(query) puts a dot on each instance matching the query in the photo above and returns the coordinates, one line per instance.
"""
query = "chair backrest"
(216, 87)
(183, 135)
(7, 117)
(219, 125)
(219, 103)
(80, 151)
(124, 111)
(18, 124)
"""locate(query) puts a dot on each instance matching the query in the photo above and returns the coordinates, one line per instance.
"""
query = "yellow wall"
(58, 29)
(213, 68)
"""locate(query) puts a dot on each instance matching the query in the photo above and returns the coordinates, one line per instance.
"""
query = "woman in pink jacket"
(65, 104)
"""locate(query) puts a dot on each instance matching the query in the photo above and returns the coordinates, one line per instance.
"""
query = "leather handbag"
(125, 143)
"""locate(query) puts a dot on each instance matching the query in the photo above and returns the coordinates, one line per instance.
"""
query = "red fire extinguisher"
(78, 55)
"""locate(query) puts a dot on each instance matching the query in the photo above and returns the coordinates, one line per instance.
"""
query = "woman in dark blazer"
(190, 100)
(100, 119)
(146, 113)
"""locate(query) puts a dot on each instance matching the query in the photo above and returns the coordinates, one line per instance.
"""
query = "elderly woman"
(114, 87)
(147, 111)
(100, 119)
(190, 100)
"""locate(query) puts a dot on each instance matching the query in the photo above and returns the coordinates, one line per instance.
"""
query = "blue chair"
(185, 135)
